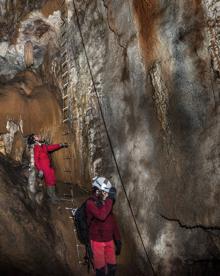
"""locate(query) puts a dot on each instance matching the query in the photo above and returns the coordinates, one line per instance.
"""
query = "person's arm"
(116, 233)
(37, 157)
(100, 212)
(117, 237)
(53, 147)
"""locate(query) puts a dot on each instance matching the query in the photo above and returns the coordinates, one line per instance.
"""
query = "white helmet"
(101, 183)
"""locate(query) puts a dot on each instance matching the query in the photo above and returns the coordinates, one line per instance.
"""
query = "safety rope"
(110, 141)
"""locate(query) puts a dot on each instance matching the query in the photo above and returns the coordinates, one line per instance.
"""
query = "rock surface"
(153, 68)
(27, 105)
(31, 237)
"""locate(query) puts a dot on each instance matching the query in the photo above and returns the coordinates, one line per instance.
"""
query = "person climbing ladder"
(43, 164)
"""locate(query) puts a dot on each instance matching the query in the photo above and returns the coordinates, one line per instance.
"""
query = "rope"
(110, 141)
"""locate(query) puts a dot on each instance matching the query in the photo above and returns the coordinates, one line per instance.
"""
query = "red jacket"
(41, 157)
(101, 220)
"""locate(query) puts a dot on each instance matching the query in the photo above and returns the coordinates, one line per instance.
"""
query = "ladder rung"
(68, 196)
(65, 97)
(64, 63)
(63, 43)
(63, 33)
(67, 157)
(68, 119)
(67, 171)
(63, 54)
(64, 74)
(65, 85)
(65, 120)
(65, 78)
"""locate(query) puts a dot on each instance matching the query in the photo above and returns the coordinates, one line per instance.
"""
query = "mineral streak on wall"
(155, 68)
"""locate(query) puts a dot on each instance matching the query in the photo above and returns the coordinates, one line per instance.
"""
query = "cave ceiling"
(36, 22)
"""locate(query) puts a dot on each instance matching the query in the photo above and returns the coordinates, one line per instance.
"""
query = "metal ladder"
(64, 70)
(64, 64)
(79, 247)
(67, 121)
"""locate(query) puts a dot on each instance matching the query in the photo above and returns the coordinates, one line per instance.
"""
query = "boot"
(111, 269)
(100, 272)
(52, 194)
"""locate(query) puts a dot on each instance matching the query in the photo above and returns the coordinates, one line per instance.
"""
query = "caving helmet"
(101, 183)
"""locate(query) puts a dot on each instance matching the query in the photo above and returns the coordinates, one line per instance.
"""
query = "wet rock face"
(30, 245)
(155, 67)
(27, 105)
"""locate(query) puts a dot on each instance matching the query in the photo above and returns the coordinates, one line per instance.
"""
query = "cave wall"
(27, 105)
(29, 94)
(32, 238)
(155, 66)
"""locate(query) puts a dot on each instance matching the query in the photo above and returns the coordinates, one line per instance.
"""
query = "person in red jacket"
(43, 164)
(103, 229)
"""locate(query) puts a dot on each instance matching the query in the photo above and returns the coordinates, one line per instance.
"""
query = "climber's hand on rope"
(40, 174)
(64, 145)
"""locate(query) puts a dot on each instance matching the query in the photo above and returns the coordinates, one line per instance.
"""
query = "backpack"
(80, 221)
(82, 231)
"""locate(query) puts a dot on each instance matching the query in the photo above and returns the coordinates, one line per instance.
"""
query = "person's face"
(101, 194)
(104, 195)
(37, 138)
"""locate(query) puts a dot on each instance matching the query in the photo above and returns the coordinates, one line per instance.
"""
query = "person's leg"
(49, 177)
(98, 257)
(110, 258)
(100, 272)
(111, 269)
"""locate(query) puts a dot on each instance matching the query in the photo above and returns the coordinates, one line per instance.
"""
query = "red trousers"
(42, 161)
(49, 175)
(103, 253)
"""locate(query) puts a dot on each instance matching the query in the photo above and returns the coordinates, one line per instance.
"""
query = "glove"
(64, 145)
(118, 247)
(40, 174)
(112, 193)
